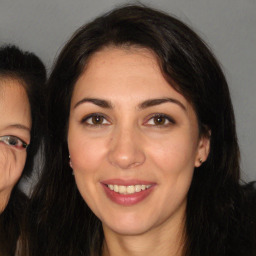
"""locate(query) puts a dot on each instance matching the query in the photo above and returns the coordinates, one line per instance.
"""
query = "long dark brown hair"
(27, 68)
(59, 221)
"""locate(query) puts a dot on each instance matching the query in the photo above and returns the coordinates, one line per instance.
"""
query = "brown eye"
(159, 120)
(96, 120)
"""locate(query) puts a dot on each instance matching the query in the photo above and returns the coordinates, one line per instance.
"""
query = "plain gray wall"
(228, 26)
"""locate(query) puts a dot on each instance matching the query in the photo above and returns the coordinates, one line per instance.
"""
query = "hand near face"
(12, 163)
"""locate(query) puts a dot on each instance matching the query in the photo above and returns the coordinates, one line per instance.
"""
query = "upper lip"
(121, 182)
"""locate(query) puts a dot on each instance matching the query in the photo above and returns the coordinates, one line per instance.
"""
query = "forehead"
(10, 84)
(120, 58)
(10, 89)
(14, 103)
(124, 71)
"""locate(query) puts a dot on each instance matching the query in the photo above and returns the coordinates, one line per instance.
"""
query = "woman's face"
(15, 128)
(133, 142)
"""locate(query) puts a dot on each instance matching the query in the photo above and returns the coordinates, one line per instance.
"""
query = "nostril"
(135, 165)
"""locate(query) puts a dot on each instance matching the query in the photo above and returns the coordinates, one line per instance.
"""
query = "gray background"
(228, 26)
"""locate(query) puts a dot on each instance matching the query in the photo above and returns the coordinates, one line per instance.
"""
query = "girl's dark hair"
(29, 70)
(60, 222)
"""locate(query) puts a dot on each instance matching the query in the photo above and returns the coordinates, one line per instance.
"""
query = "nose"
(126, 149)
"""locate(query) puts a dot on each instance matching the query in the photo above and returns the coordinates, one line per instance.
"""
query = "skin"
(130, 144)
(15, 121)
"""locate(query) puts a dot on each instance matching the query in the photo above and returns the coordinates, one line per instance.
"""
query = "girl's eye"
(13, 141)
(95, 120)
(160, 120)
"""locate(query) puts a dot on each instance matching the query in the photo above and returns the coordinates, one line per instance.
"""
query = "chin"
(129, 231)
(128, 226)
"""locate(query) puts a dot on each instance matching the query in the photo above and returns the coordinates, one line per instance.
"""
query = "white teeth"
(124, 190)
(137, 188)
(116, 188)
(130, 190)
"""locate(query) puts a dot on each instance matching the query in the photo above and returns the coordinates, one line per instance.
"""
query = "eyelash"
(102, 118)
(96, 115)
(14, 141)
(167, 118)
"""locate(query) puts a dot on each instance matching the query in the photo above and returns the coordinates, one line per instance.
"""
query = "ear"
(203, 149)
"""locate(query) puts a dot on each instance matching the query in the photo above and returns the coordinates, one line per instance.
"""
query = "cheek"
(174, 153)
(20, 165)
(174, 162)
(86, 154)
(12, 164)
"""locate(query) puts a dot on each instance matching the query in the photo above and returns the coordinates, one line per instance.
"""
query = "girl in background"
(22, 75)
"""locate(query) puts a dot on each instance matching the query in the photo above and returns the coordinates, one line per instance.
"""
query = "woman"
(142, 154)
(22, 75)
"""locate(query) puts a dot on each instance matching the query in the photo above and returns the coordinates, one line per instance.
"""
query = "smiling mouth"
(128, 190)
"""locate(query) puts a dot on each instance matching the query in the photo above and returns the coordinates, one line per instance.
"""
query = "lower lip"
(127, 200)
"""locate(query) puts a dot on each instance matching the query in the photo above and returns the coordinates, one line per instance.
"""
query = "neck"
(165, 240)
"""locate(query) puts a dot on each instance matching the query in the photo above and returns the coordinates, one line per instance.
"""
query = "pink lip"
(127, 200)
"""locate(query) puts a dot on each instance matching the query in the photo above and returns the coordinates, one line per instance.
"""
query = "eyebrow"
(19, 126)
(143, 105)
(155, 102)
(98, 102)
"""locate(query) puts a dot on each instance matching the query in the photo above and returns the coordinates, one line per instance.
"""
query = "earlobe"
(203, 150)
